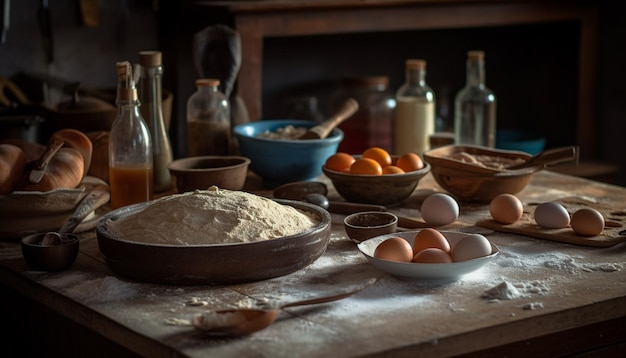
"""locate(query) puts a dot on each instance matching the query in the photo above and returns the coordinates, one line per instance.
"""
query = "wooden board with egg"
(612, 233)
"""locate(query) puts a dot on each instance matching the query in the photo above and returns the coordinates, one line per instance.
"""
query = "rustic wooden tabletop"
(538, 287)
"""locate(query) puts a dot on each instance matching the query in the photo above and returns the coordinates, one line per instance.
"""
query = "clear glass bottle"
(414, 116)
(152, 111)
(208, 120)
(475, 106)
(130, 145)
(372, 124)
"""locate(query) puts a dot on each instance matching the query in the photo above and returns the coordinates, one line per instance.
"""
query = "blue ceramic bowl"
(280, 161)
(522, 141)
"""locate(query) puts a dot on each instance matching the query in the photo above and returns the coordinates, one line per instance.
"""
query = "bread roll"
(65, 170)
(77, 140)
(12, 164)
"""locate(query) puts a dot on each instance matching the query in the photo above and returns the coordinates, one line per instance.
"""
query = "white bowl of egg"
(429, 253)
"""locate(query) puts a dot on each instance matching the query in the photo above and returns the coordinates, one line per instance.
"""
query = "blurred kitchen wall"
(81, 53)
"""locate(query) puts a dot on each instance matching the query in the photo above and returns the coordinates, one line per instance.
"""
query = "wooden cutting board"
(614, 230)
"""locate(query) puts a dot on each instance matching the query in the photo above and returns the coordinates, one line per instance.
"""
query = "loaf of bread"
(12, 164)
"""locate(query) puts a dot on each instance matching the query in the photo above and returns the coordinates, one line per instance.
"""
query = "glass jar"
(372, 124)
(208, 120)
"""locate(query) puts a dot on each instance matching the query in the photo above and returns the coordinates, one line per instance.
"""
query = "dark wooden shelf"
(259, 21)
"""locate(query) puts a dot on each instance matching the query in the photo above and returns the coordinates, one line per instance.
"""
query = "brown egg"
(587, 222)
(428, 238)
(506, 209)
(432, 256)
(394, 249)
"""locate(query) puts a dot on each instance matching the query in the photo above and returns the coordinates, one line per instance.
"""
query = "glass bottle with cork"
(152, 111)
(208, 120)
(414, 116)
(475, 106)
(130, 145)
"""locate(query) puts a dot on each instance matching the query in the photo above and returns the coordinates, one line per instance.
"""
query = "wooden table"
(573, 298)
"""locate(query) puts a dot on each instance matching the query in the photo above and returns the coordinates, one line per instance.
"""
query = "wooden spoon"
(97, 197)
(321, 131)
(244, 321)
(549, 156)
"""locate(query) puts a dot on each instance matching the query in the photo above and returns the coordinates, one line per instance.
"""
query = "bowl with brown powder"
(213, 236)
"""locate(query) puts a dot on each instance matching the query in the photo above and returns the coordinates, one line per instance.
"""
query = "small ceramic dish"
(225, 172)
(56, 256)
(413, 271)
(367, 224)
(376, 189)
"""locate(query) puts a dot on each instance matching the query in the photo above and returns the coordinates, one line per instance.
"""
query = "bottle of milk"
(414, 115)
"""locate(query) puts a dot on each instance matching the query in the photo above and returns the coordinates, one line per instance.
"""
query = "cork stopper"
(207, 82)
(150, 58)
(126, 89)
(415, 64)
(123, 71)
(476, 55)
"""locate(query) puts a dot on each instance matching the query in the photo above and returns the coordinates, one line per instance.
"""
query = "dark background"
(532, 69)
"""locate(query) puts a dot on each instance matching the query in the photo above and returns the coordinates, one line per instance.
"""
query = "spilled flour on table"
(510, 291)
(569, 264)
(557, 261)
(86, 289)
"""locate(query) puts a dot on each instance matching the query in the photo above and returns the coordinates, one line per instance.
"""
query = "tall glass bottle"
(475, 106)
(414, 115)
(152, 112)
(130, 145)
(208, 120)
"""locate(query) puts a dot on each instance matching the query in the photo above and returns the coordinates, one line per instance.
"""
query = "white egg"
(470, 247)
(439, 209)
(587, 222)
(551, 215)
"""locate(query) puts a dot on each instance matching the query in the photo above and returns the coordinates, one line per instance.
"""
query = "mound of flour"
(213, 216)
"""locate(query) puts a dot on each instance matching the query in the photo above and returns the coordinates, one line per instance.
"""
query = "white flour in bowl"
(214, 216)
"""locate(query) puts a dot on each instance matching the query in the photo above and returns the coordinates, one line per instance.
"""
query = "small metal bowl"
(367, 224)
(53, 257)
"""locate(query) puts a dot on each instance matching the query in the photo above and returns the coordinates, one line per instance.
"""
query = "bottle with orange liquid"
(131, 177)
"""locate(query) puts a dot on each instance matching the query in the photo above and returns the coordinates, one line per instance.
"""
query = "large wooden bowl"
(212, 264)
(470, 182)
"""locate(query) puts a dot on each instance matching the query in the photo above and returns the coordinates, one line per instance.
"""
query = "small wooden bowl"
(367, 224)
(476, 183)
(51, 258)
(225, 172)
(376, 189)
